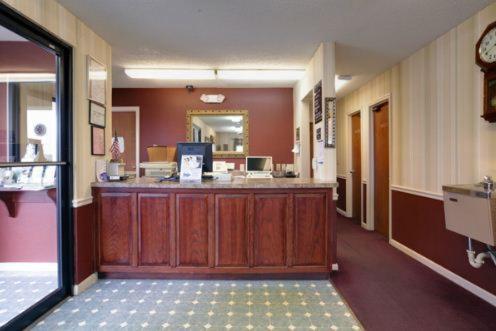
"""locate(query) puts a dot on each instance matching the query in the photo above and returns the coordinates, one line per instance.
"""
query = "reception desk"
(245, 228)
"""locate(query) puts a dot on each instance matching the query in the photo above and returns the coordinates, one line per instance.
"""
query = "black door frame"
(19, 24)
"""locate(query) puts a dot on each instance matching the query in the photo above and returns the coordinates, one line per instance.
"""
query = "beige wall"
(66, 26)
(320, 68)
(438, 136)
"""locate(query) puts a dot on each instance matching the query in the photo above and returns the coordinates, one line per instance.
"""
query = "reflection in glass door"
(35, 176)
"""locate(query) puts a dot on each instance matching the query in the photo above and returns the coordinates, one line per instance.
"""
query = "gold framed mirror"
(227, 130)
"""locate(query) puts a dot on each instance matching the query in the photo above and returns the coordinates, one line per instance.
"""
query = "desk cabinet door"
(154, 216)
(310, 230)
(270, 229)
(231, 230)
(117, 222)
(192, 224)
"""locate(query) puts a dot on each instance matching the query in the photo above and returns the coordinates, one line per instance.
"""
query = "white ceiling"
(371, 35)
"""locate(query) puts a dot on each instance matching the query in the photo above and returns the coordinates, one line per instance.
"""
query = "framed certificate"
(97, 141)
(97, 81)
(97, 114)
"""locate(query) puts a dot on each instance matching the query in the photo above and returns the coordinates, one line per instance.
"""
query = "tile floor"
(203, 305)
(21, 289)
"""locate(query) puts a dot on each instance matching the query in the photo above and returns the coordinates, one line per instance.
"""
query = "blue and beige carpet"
(203, 305)
(19, 290)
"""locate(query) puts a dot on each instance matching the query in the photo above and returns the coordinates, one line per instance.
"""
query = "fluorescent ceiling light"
(170, 74)
(27, 77)
(340, 81)
(260, 75)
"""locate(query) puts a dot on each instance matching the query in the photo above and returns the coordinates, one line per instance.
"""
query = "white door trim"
(136, 110)
(349, 175)
(370, 225)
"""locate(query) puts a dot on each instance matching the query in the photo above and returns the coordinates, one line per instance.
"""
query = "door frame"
(370, 225)
(16, 22)
(136, 110)
(349, 175)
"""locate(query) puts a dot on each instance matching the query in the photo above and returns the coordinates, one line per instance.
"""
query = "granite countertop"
(235, 183)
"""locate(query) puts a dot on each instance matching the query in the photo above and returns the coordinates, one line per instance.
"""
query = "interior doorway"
(356, 166)
(125, 122)
(380, 120)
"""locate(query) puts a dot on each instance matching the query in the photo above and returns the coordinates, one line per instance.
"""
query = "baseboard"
(342, 212)
(460, 281)
(85, 284)
(82, 202)
(29, 266)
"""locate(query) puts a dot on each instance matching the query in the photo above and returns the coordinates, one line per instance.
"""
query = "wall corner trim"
(82, 202)
(422, 193)
(460, 281)
(85, 284)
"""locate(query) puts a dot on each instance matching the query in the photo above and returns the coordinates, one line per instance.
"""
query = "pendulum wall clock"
(485, 57)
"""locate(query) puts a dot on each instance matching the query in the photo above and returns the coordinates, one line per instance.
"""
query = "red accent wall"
(31, 236)
(163, 116)
(84, 242)
(418, 223)
(341, 190)
(25, 56)
(3, 122)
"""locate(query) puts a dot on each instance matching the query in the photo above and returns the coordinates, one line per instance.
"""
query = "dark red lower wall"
(364, 197)
(84, 242)
(31, 236)
(163, 116)
(341, 204)
(418, 223)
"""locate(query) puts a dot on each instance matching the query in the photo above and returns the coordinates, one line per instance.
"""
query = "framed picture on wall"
(317, 102)
(97, 114)
(330, 122)
(97, 140)
(97, 81)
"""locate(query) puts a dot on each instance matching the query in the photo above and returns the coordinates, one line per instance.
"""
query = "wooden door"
(381, 169)
(270, 229)
(125, 125)
(311, 148)
(192, 230)
(356, 166)
(154, 229)
(310, 230)
(117, 229)
(232, 230)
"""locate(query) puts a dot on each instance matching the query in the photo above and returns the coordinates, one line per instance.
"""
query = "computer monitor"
(204, 149)
(259, 164)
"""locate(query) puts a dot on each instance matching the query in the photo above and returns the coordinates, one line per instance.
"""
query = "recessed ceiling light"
(171, 74)
(260, 75)
(340, 81)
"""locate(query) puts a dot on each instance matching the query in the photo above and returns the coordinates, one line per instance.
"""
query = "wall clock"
(485, 57)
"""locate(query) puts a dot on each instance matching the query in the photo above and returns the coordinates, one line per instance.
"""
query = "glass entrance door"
(35, 170)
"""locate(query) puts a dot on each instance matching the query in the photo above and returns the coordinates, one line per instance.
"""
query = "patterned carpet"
(21, 289)
(203, 305)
